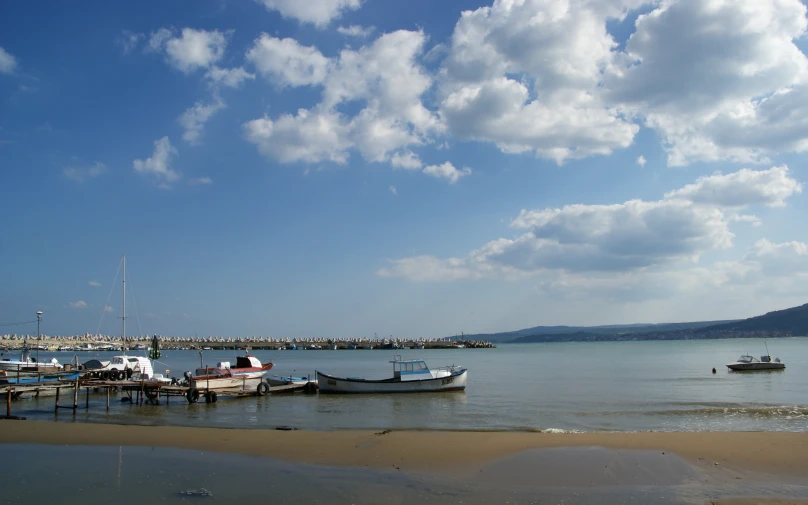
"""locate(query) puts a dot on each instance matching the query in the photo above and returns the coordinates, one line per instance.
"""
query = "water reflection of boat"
(409, 376)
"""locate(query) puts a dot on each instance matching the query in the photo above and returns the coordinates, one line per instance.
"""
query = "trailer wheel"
(121, 375)
(128, 373)
(262, 389)
(113, 374)
(211, 397)
(192, 395)
(105, 375)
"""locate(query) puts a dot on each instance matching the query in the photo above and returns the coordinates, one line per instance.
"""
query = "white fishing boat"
(747, 363)
(247, 365)
(409, 376)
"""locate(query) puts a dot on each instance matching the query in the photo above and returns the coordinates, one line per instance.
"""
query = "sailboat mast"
(123, 297)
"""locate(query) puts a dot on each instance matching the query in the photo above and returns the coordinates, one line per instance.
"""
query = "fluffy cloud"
(230, 77)
(310, 137)
(8, 64)
(286, 62)
(625, 237)
(193, 120)
(525, 76)
(447, 171)
(82, 173)
(746, 187)
(159, 165)
(316, 12)
(356, 31)
(79, 304)
(385, 77)
(94, 284)
(192, 50)
(129, 40)
(714, 93)
(641, 160)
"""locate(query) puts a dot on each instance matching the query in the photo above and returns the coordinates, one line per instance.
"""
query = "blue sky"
(351, 167)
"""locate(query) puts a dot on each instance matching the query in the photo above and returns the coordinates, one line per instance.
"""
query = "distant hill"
(793, 320)
(780, 323)
(562, 333)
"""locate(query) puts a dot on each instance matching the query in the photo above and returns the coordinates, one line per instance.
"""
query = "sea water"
(579, 386)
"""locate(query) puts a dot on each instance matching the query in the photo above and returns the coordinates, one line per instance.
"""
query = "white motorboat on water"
(409, 376)
(748, 363)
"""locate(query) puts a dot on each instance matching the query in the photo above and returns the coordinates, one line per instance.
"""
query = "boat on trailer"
(409, 376)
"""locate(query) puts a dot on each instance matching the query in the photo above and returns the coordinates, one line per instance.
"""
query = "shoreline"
(781, 454)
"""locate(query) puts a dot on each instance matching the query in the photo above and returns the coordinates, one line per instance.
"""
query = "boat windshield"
(746, 359)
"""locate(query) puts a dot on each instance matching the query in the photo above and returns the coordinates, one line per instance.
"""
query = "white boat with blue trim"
(409, 376)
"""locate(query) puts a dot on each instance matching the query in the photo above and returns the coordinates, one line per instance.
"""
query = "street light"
(38, 317)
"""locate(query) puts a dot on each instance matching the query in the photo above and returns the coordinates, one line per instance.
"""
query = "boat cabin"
(247, 362)
(410, 370)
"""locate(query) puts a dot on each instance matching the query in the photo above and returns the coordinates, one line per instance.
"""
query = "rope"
(18, 324)
(104, 310)
(134, 302)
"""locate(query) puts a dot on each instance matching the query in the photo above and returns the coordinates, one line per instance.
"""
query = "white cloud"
(447, 171)
(201, 180)
(129, 40)
(393, 190)
(8, 64)
(107, 308)
(286, 62)
(356, 31)
(82, 173)
(193, 119)
(316, 12)
(641, 160)
(309, 137)
(157, 39)
(406, 159)
(94, 284)
(230, 77)
(79, 304)
(525, 76)
(712, 95)
(159, 165)
(742, 188)
(626, 237)
(385, 77)
(192, 50)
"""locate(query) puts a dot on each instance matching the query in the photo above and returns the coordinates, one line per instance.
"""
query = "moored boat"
(748, 363)
(409, 376)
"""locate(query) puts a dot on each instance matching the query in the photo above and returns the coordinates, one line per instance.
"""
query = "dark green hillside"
(793, 320)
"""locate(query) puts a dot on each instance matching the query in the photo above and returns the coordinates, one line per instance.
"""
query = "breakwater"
(111, 343)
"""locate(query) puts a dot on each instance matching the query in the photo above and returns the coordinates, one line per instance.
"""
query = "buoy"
(713, 370)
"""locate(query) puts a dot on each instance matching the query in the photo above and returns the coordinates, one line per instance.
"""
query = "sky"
(345, 168)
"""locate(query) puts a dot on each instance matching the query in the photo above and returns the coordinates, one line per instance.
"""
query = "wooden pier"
(136, 392)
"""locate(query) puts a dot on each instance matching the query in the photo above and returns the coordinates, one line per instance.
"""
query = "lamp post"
(38, 318)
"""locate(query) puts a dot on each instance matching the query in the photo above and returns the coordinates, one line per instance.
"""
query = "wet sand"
(475, 467)
(782, 455)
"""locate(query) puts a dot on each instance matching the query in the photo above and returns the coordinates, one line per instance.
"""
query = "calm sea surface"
(609, 386)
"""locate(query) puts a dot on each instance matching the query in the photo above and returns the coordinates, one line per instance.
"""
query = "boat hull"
(330, 384)
(753, 367)
(240, 382)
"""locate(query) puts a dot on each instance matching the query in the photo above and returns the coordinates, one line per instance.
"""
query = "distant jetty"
(89, 342)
